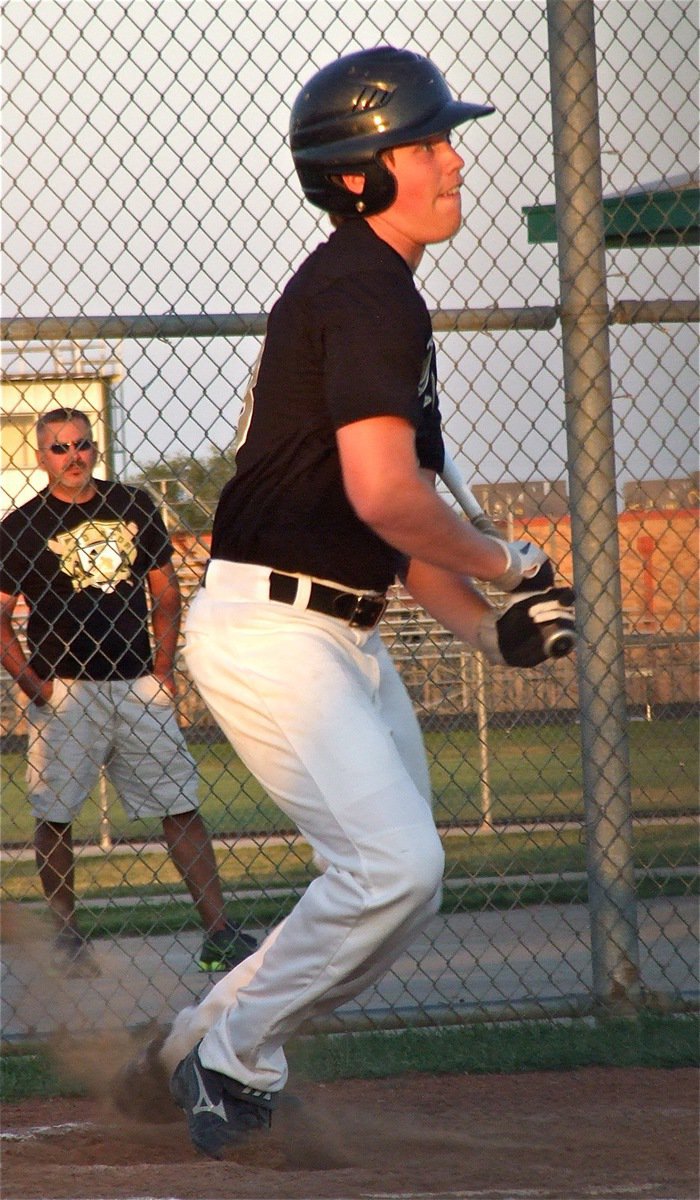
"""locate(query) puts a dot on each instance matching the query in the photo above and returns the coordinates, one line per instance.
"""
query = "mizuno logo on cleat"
(203, 1103)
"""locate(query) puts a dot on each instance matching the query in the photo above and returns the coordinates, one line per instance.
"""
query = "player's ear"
(353, 183)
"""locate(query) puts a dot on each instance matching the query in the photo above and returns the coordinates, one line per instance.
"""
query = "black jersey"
(82, 570)
(349, 338)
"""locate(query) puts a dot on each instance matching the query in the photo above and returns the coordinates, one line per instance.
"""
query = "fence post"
(105, 827)
(589, 428)
(482, 727)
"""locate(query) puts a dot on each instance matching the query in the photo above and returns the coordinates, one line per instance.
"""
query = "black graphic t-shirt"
(349, 338)
(82, 570)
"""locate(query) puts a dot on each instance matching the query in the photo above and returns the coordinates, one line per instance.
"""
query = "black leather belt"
(363, 612)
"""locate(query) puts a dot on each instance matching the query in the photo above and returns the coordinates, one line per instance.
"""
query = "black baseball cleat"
(220, 1111)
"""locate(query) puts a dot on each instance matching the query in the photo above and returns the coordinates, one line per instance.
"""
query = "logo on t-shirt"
(427, 384)
(97, 554)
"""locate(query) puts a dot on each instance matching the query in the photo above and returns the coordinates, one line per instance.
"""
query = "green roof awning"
(652, 216)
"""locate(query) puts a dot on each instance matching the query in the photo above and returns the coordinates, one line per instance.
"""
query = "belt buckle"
(368, 611)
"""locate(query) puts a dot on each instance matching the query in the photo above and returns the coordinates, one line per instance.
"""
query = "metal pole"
(589, 427)
(482, 726)
(142, 327)
(105, 831)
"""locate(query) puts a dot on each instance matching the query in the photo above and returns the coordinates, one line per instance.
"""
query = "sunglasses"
(64, 447)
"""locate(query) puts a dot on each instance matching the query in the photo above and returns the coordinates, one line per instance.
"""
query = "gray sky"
(146, 170)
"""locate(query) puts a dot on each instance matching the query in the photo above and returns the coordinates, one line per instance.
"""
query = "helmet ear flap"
(325, 188)
(379, 190)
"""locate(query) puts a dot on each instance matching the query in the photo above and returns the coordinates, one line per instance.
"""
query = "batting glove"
(528, 568)
(530, 629)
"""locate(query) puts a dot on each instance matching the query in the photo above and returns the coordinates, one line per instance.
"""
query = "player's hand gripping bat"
(538, 622)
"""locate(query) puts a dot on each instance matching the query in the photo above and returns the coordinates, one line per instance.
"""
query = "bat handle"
(485, 525)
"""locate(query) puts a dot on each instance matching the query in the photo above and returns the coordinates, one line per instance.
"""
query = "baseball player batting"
(333, 498)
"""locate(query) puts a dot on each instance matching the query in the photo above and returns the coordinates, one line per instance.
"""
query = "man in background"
(86, 555)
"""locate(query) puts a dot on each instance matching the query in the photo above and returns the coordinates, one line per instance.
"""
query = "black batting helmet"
(355, 108)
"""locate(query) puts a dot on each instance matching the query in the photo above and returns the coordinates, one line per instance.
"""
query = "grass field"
(503, 870)
(650, 1040)
(535, 774)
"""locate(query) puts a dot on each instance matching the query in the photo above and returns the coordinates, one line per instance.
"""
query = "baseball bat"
(466, 499)
(559, 642)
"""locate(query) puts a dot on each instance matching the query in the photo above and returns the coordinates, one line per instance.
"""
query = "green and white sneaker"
(226, 948)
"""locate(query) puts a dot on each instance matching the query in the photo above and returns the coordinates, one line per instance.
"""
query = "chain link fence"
(151, 216)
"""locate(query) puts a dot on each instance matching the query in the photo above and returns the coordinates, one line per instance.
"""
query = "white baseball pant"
(318, 713)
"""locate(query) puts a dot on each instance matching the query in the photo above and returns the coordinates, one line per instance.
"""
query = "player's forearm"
(14, 661)
(165, 623)
(449, 598)
(392, 494)
(417, 522)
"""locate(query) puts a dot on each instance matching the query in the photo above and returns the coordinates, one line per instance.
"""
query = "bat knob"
(559, 642)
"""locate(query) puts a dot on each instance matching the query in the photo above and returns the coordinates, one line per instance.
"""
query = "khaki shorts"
(127, 726)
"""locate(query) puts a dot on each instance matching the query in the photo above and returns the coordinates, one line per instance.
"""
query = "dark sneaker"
(220, 1112)
(225, 949)
(72, 956)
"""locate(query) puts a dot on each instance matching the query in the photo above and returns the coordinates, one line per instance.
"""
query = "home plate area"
(591, 1134)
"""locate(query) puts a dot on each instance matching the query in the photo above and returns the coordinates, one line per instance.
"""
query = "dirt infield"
(577, 1135)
